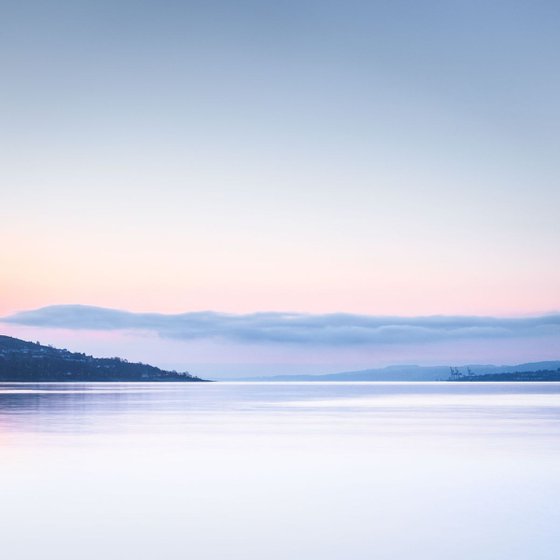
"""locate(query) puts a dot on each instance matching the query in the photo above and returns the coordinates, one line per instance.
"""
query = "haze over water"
(304, 470)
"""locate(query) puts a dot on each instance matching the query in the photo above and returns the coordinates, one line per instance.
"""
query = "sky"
(376, 159)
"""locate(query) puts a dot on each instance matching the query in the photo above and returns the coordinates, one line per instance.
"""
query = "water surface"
(331, 471)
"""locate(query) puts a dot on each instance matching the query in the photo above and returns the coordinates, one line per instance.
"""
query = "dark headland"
(33, 362)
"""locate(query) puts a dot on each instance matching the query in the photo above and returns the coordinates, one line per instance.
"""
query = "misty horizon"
(276, 343)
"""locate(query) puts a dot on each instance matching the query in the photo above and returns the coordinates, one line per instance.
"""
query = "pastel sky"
(371, 158)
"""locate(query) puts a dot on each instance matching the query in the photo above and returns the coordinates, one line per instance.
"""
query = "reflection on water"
(304, 471)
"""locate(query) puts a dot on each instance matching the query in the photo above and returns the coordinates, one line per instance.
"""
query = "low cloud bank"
(339, 329)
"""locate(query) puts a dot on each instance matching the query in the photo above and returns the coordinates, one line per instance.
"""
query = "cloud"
(337, 329)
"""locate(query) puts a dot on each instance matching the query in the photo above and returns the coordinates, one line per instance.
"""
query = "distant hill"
(30, 361)
(415, 373)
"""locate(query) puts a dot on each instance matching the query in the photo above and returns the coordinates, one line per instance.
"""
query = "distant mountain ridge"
(30, 361)
(415, 372)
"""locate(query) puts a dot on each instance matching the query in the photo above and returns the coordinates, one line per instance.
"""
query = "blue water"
(301, 471)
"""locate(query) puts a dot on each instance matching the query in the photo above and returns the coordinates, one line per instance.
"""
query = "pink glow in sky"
(167, 272)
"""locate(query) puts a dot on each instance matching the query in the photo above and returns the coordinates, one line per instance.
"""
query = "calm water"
(280, 471)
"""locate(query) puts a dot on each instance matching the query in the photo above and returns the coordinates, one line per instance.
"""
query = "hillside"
(30, 361)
